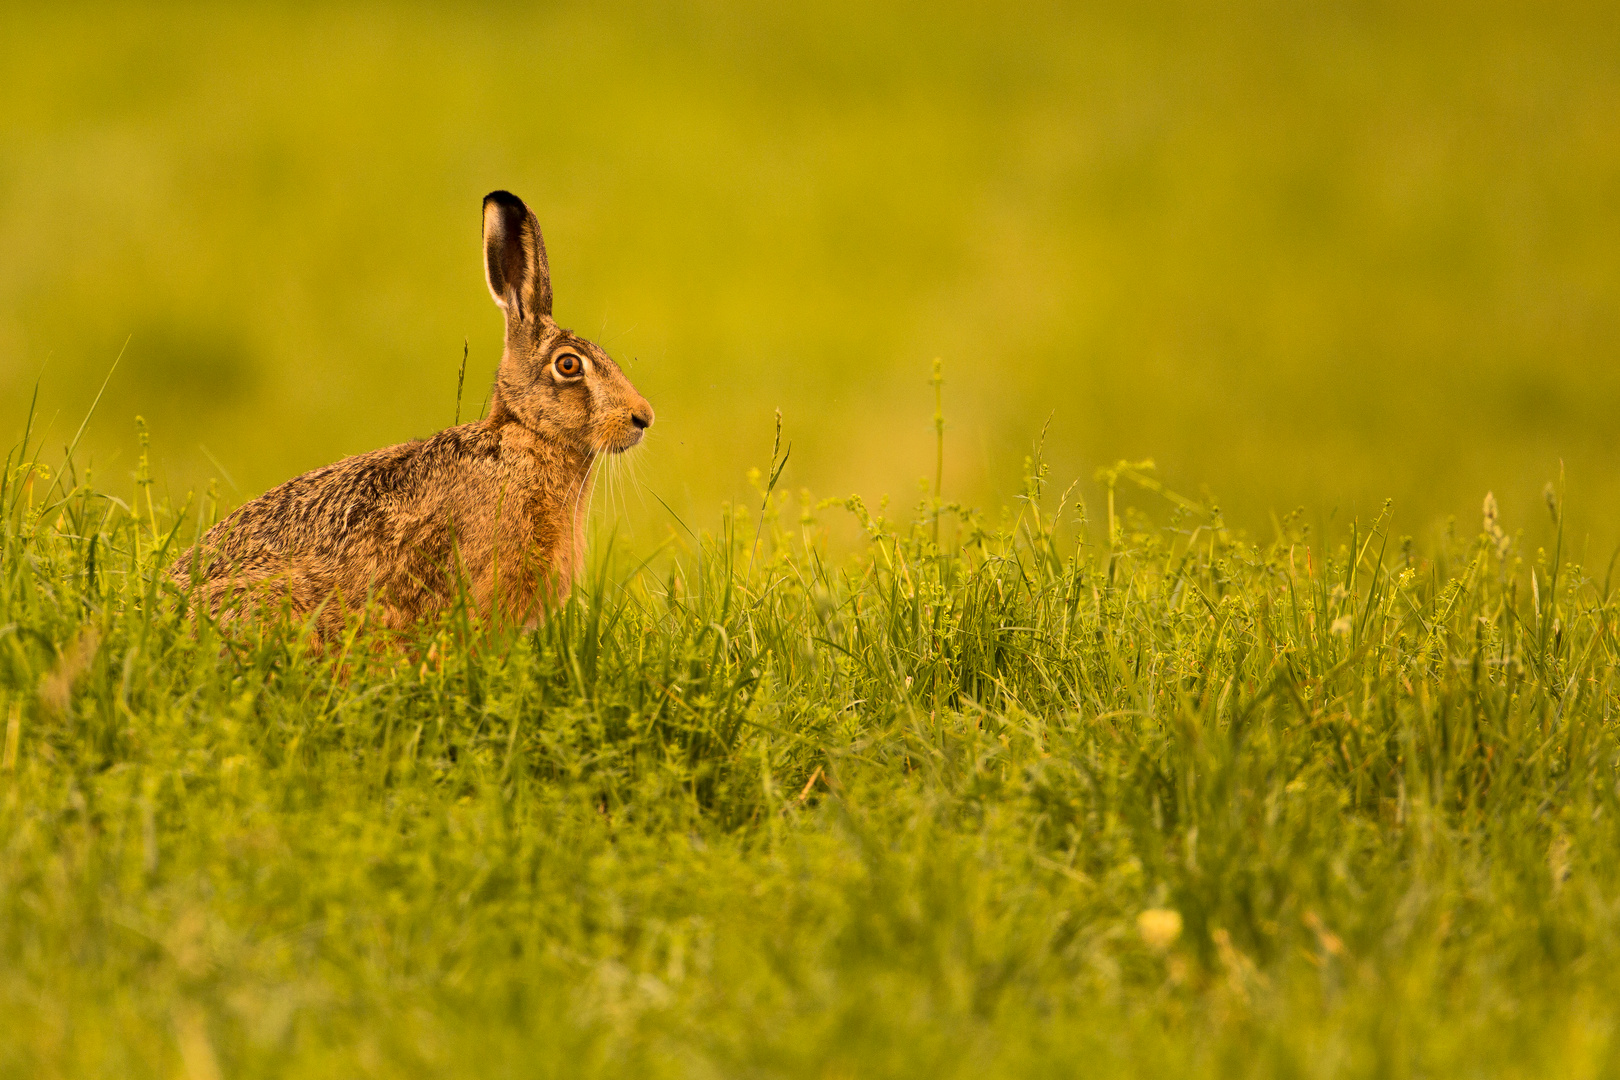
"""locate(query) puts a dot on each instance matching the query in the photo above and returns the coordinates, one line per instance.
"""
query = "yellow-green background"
(1301, 253)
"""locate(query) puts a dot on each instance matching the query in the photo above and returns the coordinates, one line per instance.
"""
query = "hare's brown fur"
(497, 506)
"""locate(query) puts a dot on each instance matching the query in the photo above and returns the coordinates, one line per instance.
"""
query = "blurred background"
(1316, 254)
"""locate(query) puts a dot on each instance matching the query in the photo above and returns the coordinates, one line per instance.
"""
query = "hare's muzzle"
(640, 415)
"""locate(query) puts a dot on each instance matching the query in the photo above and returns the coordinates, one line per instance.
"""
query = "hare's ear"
(515, 258)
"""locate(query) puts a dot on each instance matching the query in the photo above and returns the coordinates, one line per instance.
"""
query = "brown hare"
(499, 504)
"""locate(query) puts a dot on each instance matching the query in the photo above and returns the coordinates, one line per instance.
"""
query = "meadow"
(932, 731)
(1066, 789)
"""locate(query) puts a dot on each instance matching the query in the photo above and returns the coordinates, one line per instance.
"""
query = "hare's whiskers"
(624, 472)
(620, 477)
(581, 536)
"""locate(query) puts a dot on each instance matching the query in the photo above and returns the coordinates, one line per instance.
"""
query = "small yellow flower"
(1159, 927)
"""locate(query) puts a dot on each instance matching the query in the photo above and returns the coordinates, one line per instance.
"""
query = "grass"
(1129, 789)
(1129, 796)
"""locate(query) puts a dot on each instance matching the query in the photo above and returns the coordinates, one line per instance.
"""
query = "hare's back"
(378, 499)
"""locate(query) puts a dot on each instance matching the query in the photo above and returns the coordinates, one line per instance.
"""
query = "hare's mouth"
(620, 431)
(624, 442)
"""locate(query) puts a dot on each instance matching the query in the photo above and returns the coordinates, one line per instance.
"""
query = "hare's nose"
(642, 416)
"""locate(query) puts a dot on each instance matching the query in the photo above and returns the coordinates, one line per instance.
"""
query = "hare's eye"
(568, 365)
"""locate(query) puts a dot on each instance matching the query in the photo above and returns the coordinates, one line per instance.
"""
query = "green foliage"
(1009, 802)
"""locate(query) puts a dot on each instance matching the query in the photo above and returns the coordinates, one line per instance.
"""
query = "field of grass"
(1062, 791)
(1104, 780)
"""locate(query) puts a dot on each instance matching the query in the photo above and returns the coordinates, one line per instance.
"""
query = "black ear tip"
(506, 200)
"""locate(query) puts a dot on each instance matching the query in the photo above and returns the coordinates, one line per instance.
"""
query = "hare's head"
(561, 387)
